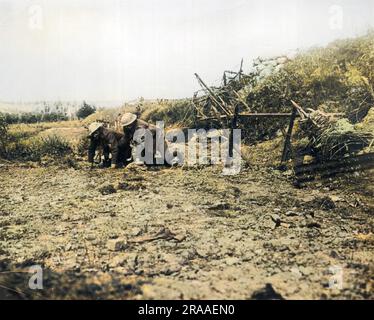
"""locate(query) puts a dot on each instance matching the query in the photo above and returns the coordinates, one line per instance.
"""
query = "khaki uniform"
(112, 142)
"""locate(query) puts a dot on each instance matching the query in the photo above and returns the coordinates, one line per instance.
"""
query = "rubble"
(117, 244)
(107, 189)
(162, 233)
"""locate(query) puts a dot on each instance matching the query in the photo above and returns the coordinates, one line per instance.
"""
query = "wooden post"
(224, 79)
(241, 69)
(287, 142)
(234, 124)
(213, 96)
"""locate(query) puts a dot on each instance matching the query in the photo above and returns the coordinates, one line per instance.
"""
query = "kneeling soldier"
(130, 124)
(111, 141)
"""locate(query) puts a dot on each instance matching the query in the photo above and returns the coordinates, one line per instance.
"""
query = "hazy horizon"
(120, 50)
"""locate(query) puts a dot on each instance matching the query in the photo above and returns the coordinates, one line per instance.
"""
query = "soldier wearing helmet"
(130, 124)
(111, 141)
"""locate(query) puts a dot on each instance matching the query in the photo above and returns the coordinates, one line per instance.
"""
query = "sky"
(119, 50)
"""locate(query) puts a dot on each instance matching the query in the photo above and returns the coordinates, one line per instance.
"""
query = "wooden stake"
(287, 141)
(234, 125)
(213, 96)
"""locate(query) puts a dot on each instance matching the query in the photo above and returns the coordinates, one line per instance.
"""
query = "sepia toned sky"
(124, 49)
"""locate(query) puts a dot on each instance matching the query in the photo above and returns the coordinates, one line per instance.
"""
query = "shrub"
(34, 149)
(54, 146)
(49, 117)
(85, 110)
(11, 118)
(3, 135)
(82, 146)
(21, 150)
(29, 117)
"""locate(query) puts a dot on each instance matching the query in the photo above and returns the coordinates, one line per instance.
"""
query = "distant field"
(70, 130)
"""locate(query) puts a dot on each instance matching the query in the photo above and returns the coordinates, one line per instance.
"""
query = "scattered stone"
(163, 233)
(136, 231)
(276, 219)
(334, 254)
(108, 189)
(313, 224)
(203, 252)
(306, 271)
(219, 206)
(170, 269)
(189, 254)
(118, 261)
(77, 268)
(327, 203)
(292, 214)
(180, 236)
(135, 187)
(90, 237)
(230, 261)
(117, 244)
(324, 203)
(122, 186)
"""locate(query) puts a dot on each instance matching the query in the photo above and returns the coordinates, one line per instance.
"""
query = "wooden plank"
(309, 172)
(250, 115)
(351, 161)
(241, 100)
(213, 96)
(262, 115)
(268, 114)
(287, 141)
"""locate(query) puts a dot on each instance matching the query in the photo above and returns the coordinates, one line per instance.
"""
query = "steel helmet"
(93, 127)
(128, 119)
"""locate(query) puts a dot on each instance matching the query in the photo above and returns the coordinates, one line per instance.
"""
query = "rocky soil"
(178, 233)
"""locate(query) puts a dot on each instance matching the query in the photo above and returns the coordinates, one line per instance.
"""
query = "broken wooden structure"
(223, 105)
(322, 170)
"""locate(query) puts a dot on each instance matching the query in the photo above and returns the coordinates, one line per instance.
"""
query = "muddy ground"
(184, 233)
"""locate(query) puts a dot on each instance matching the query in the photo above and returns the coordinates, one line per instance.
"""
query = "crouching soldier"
(130, 125)
(111, 142)
(133, 128)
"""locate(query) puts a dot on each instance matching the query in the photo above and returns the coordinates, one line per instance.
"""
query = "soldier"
(130, 123)
(111, 141)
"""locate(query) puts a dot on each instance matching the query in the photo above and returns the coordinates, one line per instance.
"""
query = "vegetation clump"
(35, 148)
(85, 110)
